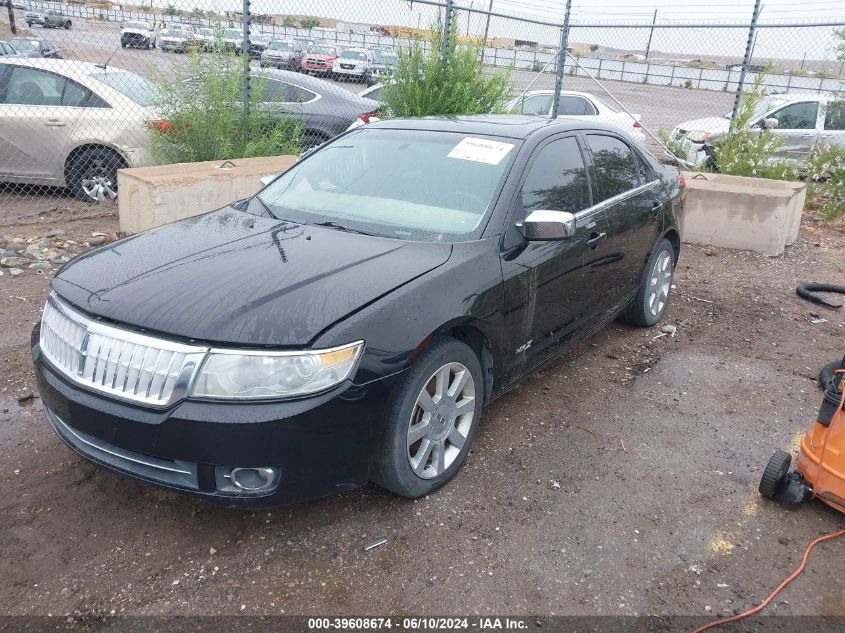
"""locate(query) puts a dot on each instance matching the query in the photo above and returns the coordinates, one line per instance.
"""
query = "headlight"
(252, 375)
(698, 136)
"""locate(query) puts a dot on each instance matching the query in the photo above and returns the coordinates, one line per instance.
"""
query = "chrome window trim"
(619, 197)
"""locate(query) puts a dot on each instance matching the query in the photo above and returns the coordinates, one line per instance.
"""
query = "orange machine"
(820, 472)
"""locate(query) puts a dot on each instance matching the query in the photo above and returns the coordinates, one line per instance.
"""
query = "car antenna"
(106, 63)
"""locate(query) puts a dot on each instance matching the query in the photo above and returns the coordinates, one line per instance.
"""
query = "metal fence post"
(447, 32)
(746, 60)
(245, 45)
(561, 58)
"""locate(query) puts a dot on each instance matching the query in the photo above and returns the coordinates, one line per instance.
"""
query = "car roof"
(67, 66)
(509, 125)
(572, 93)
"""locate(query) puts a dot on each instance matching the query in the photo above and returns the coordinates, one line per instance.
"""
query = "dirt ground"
(622, 480)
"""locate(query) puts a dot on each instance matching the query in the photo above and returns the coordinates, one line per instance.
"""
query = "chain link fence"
(90, 87)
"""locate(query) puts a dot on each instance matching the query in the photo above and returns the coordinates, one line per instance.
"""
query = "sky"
(817, 43)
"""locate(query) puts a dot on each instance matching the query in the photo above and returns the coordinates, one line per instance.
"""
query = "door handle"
(55, 122)
(596, 239)
(656, 207)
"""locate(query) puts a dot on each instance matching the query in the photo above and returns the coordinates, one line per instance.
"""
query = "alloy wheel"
(441, 420)
(659, 283)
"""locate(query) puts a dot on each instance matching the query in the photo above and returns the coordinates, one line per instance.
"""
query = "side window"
(834, 118)
(616, 166)
(557, 179)
(75, 95)
(295, 94)
(798, 116)
(645, 170)
(27, 86)
(536, 104)
(571, 105)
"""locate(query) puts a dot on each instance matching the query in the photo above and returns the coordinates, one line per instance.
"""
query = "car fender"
(464, 291)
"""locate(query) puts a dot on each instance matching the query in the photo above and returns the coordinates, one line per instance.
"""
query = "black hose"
(806, 290)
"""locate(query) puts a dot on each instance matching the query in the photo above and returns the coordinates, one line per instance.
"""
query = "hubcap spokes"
(99, 188)
(441, 420)
(659, 283)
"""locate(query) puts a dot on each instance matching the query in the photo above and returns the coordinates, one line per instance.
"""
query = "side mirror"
(546, 225)
(770, 123)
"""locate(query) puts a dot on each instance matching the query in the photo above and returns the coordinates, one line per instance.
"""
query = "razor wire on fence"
(87, 88)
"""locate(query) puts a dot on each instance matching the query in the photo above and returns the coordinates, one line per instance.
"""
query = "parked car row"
(74, 124)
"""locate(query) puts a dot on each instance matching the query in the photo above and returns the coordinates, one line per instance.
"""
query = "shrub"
(309, 23)
(425, 85)
(537, 66)
(826, 182)
(205, 117)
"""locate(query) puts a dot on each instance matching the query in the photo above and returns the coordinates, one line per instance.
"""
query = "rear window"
(322, 50)
(138, 89)
(354, 55)
(174, 33)
(135, 25)
(280, 46)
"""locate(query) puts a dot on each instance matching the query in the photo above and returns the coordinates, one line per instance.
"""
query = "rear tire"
(67, 25)
(652, 296)
(775, 473)
(431, 420)
(92, 174)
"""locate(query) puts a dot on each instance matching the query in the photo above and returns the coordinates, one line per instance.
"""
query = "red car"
(318, 60)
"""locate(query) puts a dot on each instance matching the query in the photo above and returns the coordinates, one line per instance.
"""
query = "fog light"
(245, 480)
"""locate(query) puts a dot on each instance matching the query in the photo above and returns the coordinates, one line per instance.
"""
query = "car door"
(833, 131)
(549, 286)
(797, 128)
(626, 187)
(33, 132)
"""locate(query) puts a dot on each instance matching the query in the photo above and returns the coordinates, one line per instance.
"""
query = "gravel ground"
(621, 480)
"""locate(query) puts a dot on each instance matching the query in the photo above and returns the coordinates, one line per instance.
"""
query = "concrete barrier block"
(151, 196)
(744, 213)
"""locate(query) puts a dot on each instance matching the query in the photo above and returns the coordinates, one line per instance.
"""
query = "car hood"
(233, 277)
(716, 125)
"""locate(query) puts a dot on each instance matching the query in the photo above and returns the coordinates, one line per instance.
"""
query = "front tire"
(67, 25)
(775, 473)
(92, 174)
(652, 296)
(431, 420)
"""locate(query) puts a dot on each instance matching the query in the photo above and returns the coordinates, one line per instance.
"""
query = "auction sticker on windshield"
(480, 150)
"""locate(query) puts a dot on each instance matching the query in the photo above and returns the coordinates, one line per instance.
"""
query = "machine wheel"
(431, 420)
(775, 473)
(67, 25)
(655, 286)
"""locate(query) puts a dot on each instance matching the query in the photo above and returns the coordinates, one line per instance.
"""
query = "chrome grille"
(116, 361)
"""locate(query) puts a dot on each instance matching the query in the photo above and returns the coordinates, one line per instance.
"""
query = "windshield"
(206, 32)
(174, 33)
(24, 45)
(322, 50)
(140, 90)
(386, 57)
(232, 34)
(407, 184)
(260, 38)
(280, 46)
(135, 25)
(354, 55)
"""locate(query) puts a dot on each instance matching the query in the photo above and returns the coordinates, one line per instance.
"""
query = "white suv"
(353, 63)
(72, 124)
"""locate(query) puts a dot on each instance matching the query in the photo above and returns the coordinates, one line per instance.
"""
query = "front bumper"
(278, 62)
(320, 445)
(352, 72)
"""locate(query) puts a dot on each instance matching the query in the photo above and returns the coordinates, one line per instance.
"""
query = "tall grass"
(205, 117)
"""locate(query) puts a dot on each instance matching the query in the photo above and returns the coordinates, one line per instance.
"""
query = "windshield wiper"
(331, 224)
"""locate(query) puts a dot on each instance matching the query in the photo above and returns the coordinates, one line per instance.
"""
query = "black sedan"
(348, 323)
